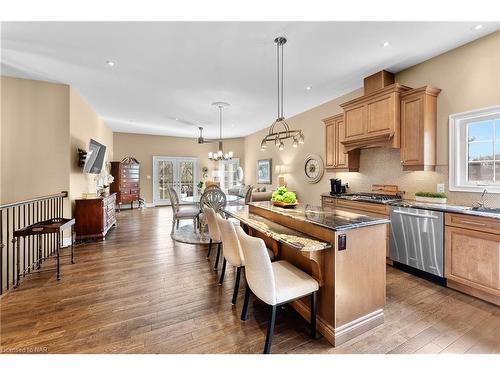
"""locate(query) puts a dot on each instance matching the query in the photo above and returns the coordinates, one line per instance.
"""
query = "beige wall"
(35, 134)
(84, 125)
(144, 147)
(469, 77)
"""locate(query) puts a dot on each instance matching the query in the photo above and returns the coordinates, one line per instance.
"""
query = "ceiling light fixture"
(220, 155)
(386, 44)
(308, 88)
(478, 27)
(110, 63)
(279, 136)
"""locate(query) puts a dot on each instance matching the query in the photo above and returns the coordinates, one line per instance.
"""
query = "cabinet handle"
(472, 223)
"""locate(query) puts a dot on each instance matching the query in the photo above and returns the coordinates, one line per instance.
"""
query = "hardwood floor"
(140, 292)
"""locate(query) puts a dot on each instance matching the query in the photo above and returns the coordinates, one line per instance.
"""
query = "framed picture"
(264, 171)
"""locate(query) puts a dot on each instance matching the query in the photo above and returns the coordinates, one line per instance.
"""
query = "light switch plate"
(440, 188)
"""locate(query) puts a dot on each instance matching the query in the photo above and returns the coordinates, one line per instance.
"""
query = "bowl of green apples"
(281, 197)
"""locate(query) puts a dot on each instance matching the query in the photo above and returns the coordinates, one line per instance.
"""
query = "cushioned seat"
(187, 211)
(290, 282)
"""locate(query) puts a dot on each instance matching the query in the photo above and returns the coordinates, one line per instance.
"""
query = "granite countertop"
(280, 233)
(427, 206)
(335, 220)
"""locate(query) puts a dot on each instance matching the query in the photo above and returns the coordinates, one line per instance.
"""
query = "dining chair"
(181, 213)
(213, 232)
(274, 283)
(215, 199)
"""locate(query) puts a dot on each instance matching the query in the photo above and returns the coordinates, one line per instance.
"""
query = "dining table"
(196, 198)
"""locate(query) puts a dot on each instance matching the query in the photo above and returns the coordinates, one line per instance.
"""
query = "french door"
(180, 173)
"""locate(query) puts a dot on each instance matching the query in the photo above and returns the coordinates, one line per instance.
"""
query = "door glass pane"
(186, 169)
(481, 171)
(165, 178)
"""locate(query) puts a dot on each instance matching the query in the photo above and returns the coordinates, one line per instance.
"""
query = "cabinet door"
(473, 259)
(355, 119)
(330, 145)
(412, 135)
(341, 160)
(381, 115)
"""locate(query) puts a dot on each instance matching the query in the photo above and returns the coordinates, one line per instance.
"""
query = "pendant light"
(220, 155)
(280, 130)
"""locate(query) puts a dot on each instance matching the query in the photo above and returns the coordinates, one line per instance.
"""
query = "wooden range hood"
(373, 120)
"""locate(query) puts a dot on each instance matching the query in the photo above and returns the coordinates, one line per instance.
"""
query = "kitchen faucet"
(480, 202)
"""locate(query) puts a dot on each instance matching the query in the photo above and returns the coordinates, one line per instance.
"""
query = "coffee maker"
(336, 186)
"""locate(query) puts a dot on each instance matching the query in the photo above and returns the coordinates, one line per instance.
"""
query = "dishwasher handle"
(416, 215)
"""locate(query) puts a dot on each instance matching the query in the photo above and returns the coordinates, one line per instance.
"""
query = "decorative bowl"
(285, 205)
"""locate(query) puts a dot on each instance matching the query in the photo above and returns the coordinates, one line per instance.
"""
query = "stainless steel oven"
(417, 239)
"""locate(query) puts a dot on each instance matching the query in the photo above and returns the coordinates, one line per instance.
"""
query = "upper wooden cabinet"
(373, 120)
(336, 158)
(418, 129)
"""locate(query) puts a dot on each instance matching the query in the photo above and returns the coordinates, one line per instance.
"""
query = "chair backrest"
(213, 226)
(174, 199)
(248, 195)
(258, 270)
(213, 198)
(230, 243)
(212, 187)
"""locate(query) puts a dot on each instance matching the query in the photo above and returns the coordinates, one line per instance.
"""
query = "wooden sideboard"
(126, 184)
(94, 217)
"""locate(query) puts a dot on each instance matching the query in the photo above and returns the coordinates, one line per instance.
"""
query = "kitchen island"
(343, 251)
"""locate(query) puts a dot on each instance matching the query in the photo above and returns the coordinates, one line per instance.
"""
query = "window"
(475, 150)
(228, 173)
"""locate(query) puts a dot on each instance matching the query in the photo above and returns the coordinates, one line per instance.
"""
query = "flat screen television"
(95, 157)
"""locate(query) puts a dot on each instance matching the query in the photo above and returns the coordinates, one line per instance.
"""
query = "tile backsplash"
(383, 166)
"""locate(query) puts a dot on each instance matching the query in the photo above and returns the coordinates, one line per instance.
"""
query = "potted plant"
(284, 198)
(429, 197)
(199, 185)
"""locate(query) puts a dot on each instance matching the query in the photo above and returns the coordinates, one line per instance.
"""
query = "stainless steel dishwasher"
(417, 238)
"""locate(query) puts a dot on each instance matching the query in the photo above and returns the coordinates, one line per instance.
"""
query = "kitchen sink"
(486, 209)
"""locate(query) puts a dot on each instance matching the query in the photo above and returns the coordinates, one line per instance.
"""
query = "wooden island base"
(352, 282)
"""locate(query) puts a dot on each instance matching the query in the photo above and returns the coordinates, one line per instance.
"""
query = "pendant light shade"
(280, 130)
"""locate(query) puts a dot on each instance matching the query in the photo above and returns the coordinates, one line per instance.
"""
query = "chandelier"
(220, 155)
(280, 130)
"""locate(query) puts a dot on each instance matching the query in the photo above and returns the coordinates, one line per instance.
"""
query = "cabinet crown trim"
(396, 87)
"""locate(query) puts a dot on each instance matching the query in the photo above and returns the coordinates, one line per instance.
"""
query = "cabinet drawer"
(127, 198)
(363, 208)
(483, 224)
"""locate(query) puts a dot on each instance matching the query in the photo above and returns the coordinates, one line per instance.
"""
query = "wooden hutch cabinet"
(126, 184)
(336, 158)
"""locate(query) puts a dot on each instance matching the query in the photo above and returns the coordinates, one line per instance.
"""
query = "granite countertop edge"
(426, 206)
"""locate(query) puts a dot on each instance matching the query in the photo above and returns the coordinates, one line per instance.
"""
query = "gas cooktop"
(371, 197)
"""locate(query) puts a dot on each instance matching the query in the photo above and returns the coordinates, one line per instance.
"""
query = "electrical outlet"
(440, 188)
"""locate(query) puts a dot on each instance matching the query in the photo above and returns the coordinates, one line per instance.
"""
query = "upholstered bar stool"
(213, 232)
(274, 283)
(231, 251)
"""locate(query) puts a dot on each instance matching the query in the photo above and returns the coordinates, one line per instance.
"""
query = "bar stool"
(213, 232)
(274, 283)
(231, 251)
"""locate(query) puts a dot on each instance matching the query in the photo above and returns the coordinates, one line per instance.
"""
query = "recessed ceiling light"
(386, 44)
(308, 88)
(110, 63)
(478, 27)
(176, 119)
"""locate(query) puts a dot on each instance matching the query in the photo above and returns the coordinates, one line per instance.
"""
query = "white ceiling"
(174, 70)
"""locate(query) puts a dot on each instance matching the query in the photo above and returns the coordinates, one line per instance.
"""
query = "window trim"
(457, 155)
